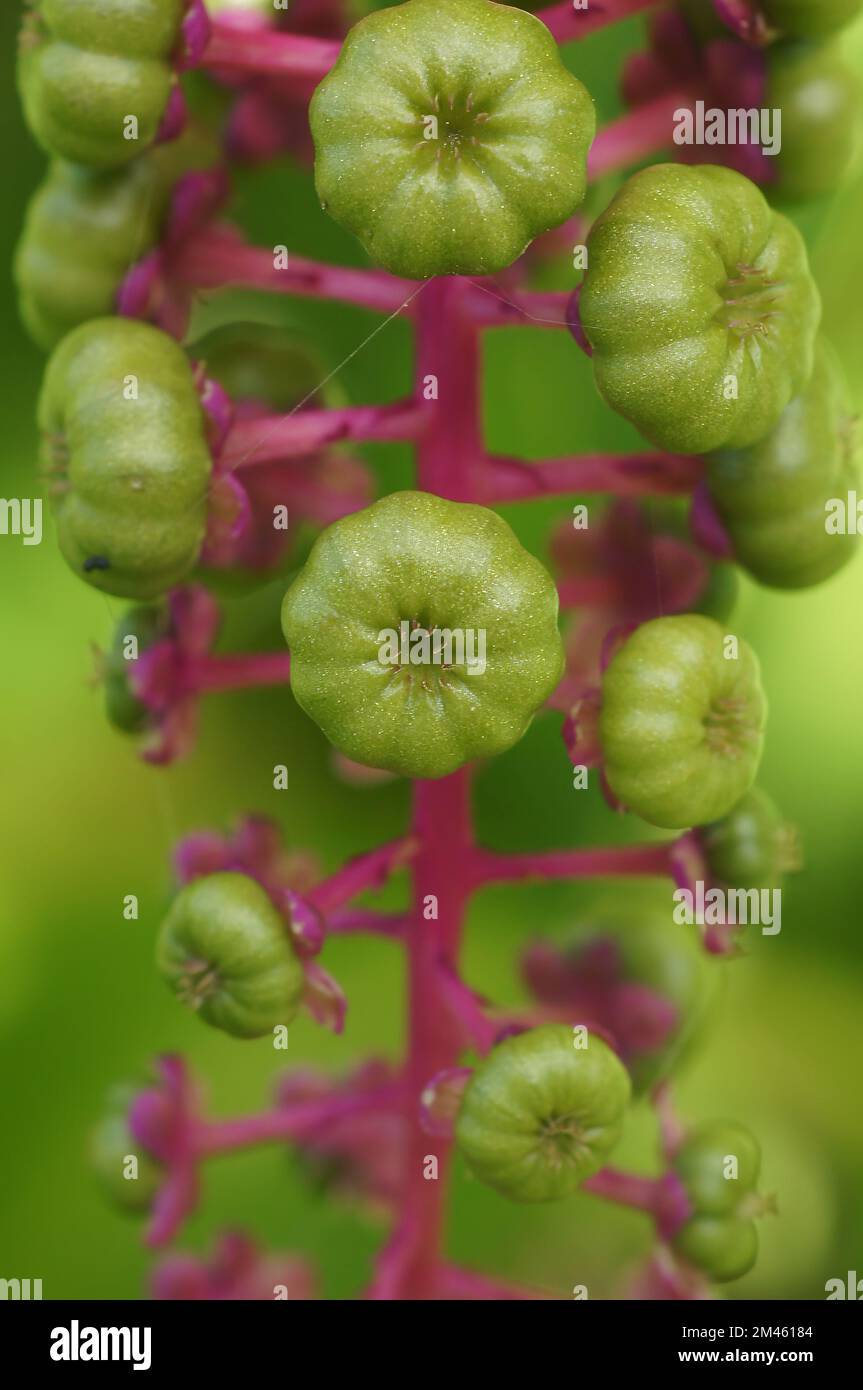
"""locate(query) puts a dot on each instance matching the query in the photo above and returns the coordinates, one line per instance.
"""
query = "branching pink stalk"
(622, 861)
(272, 438)
(641, 134)
(286, 1125)
(567, 23)
(625, 475)
(240, 672)
(262, 51)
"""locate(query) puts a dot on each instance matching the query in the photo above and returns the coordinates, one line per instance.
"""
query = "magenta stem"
(291, 1123)
(567, 23)
(490, 306)
(367, 871)
(240, 672)
(640, 134)
(264, 50)
(217, 256)
(627, 1189)
(617, 861)
(625, 475)
(273, 438)
(353, 920)
(455, 1282)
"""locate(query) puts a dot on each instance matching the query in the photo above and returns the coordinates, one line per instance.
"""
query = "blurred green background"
(84, 823)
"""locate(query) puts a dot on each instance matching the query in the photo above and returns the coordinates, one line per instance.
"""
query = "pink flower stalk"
(235, 1270)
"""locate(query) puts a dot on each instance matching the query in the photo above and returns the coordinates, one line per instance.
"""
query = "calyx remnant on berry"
(682, 721)
(422, 635)
(226, 952)
(540, 1113)
(449, 135)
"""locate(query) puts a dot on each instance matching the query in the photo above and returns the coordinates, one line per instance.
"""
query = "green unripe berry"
(89, 68)
(751, 847)
(700, 308)
(681, 723)
(225, 951)
(125, 447)
(422, 635)
(773, 497)
(723, 1248)
(147, 624)
(111, 1147)
(821, 102)
(719, 1165)
(85, 228)
(540, 1114)
(449, 135)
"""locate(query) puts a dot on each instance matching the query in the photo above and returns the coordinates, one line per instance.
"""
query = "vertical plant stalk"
(448, 368)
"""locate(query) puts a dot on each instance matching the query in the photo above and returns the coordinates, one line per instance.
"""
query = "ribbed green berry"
(681, 723)
(147, 624)
(820, 97)
(809, 19)
(719, 1166)
(751, 847)
(540, 1115)
(449, 135)
(773, 497)
(447, 585)
(87, 66)
(111, 1146)
(225, 951)
(84, 229)
(124, 444)
(700, 308)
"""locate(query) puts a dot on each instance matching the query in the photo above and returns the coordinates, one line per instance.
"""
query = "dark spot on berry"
(96, 562)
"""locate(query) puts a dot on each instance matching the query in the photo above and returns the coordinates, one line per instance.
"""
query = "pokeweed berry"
(541, 1114)
(820, 98)
(259, 364)
(225, 951)
(96, 76)
(681, 722)
(699, 306)
(147, 624)
(773, 497)
(719, 1165)
(751, 847)
(124, 444)
(131, 1186)
(85, 228)
(422, 635)
(449, 135)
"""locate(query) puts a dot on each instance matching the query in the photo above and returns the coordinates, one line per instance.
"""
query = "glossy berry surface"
(540, 1115)
(681, 724)
(86, 66)
(821, 101)
(225, 952)
(127, 458)
(772, 498)
(449, 135)
(417, 565)
(699, 306)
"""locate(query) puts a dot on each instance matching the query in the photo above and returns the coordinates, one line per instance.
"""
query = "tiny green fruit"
(449, 135)
(681, 723)
(820, 97)
(774, 497)
(751, 847)
(700, 308)
(128, 462)
(146, 624)
(719, 1166)
(96, 76)
(129, 1185)
(226, 952)
(540, 1114)
(422, 635)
